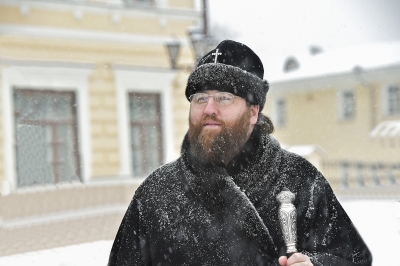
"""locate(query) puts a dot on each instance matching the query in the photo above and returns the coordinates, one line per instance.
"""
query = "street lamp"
(200, 40)
(201, 44)
(196, 37)
(173, 48)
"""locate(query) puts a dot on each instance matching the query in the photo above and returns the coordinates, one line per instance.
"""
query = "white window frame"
(385, 100)
(44, 78)
(144, 82)
(341, 105)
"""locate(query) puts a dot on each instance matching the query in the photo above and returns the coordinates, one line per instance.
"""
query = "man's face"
(217, 132)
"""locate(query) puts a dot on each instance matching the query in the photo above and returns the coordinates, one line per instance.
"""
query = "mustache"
(211, 118)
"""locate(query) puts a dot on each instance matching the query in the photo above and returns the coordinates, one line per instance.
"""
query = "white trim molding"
(86, 35)
(145, 82)
(138, 9)
(44, 78)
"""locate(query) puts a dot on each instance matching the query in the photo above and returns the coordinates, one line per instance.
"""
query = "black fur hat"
(232, 67)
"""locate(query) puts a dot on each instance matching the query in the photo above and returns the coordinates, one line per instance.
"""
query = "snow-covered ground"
(89, 254)
(378, 221)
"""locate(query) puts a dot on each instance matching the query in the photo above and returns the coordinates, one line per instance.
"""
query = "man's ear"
(254, 114)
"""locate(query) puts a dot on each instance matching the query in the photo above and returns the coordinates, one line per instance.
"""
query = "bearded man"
(216, 204)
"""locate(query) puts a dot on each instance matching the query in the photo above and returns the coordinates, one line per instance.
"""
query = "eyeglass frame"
(213, 96)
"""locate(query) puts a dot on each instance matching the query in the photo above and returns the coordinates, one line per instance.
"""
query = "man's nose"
(211, 107)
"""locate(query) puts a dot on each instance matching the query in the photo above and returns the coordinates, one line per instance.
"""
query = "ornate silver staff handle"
(287, 218)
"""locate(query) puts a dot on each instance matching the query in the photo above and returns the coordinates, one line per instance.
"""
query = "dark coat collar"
(247, 154)
(230, 192)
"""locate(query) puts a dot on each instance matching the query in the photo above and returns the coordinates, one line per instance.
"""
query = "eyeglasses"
(221, 98)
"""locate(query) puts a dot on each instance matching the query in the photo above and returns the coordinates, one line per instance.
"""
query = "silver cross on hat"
(216, 55)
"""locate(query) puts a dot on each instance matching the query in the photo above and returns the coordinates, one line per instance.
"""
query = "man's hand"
(297, 259)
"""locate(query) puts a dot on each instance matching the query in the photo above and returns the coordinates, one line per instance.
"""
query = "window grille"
(393, 100)
(46, 137)
(346, 105)
(360, 172)
(280, 112)
(146, 137)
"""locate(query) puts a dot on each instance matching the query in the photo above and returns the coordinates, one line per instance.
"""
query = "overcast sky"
(278, 29)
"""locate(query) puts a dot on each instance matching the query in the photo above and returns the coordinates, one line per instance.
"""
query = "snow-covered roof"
(343, 60)
(389, 129)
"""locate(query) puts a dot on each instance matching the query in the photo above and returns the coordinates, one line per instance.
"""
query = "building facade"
(347, 104)
(89, 105)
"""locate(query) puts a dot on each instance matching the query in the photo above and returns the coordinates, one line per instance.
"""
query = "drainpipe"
(205, 19)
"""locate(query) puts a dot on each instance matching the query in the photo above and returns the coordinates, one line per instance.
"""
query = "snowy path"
(377, 221)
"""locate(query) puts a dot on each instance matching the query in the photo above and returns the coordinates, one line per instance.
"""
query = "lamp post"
(200, 41)
(173, 48)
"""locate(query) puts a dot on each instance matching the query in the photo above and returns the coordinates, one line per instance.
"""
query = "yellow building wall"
(181, 4)
(104, 127)
(103, 22)
(312, 118)
(83, 51)
(181, 107)
(101, 83)
(1, 138)
(48, 48)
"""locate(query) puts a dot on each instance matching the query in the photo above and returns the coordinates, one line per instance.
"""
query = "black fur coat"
(186, 213)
